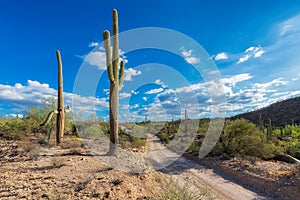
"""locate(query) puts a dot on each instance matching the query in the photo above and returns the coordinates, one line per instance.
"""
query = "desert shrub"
(132, 140)
(71, 143)
(242, 138)
(173, 190)
(11, 129)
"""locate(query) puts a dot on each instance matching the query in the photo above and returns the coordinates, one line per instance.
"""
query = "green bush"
(242, 138)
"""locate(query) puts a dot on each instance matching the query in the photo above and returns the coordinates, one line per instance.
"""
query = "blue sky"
(253, 44)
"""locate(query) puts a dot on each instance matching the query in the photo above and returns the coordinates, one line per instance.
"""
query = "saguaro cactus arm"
(106, 38)
(51, 113)
(49, 117)
(121, 76)
(115, 53)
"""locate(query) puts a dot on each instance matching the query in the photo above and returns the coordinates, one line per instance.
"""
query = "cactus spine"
(60, 120)
(116, 80)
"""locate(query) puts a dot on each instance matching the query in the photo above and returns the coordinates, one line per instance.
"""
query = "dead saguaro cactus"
(50, 116)
(116, 80)
(60, 112)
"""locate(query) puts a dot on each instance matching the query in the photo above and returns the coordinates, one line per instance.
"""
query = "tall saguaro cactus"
(60, 102)
(116, 80)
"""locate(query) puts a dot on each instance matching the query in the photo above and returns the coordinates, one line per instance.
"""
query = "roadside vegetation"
(241, 137)
(88, 128)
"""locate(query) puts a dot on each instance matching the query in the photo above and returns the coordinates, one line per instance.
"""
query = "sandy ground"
(183, 169)
(69, 171)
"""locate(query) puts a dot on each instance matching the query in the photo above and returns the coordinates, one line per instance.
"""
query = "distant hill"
(281, 113)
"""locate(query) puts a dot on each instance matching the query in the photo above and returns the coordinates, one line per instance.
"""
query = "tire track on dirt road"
(199, 176)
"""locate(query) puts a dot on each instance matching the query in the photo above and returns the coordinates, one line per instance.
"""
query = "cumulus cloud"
(130, 72)
(159, 82)
(98, 57)
(192, 60)
(145, 98)
(221, 56)
(275, 82)
(124, 95)
(154, 91)
(187, 54)
(93, 44)
(251, 52)
(233, 80)
(32, 94)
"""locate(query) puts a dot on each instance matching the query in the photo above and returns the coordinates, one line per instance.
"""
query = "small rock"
(106, 194)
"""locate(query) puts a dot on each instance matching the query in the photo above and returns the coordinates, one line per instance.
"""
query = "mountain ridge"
(281, 113)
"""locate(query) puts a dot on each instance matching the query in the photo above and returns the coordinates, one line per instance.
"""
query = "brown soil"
(278, 180)
(30, 171)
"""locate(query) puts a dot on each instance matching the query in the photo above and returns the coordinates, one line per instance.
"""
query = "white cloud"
(124, 95)
(249, 49)
(192, 60)
(233, 80)
(221, 56)
(145, 98)
(187, 54)
(243, 59)
(134, 106)
(258, 54)
(190, 88)
(154, 91)
(32, 94)
(93, 44)
(98, 58)
(134, 92)
(275, 82)
(130, 72)
(296, 78)
(159, 82)
(251, 52)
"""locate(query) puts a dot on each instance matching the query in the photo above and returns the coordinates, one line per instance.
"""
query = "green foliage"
(136, 139)
(241, 137)
(34, 116)
(11, 129)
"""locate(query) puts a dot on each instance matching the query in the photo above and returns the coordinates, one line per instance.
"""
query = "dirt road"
(185, 170)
